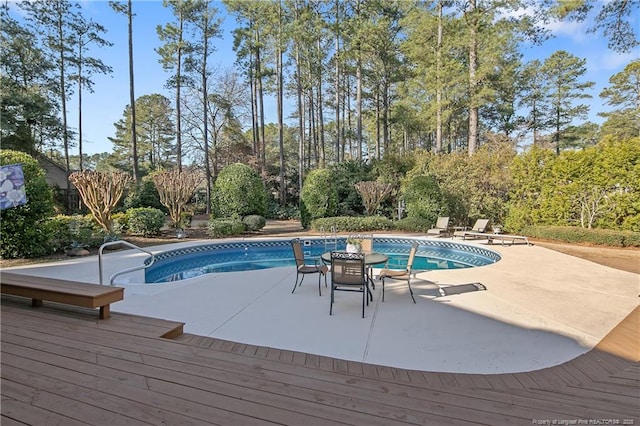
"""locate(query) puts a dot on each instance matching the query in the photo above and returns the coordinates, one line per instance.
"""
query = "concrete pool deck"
(540, 308)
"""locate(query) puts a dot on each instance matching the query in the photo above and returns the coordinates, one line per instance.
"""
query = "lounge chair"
(303, 268)
(348, 274)
(401, 274)
(441, 228)
(480, 227)
(507, 237)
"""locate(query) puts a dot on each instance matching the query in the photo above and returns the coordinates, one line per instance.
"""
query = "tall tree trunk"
(300, 121)
(80, 108)
(132, 99)
(262, 142)
(349, 117)
(313, 133)
(385, 116)
(178, 95)
(556, 136)
(473, 82)
(378, 130)
(337, 82)
(205, 125)
(359, 108)
(279, 72)
(63, 105)
(439, 81)
(254, 108)
(309, 110)
(321, 142)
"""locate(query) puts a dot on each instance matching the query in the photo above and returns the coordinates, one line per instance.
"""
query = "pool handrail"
(124, 271)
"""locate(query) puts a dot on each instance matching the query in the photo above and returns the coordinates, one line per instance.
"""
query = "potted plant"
(354, 245)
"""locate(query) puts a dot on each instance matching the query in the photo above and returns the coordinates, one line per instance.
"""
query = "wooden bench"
(61, 291)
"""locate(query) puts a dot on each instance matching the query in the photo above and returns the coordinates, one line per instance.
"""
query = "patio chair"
(401, 274)
(365, 242)
(440, 228)
(480, 227)
(348, 274)
(303, 268)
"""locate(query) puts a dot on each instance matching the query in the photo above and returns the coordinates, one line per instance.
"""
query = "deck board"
(62, 366)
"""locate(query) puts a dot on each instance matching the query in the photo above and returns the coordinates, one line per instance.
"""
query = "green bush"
(414, 224)
(145, 221)
(119, 223)
(278, 212)
(144, 194)
(569, 234)
(24, 231)
(319, 194)
(75, 230)
(423, 198)
(344, 176)
(238, 191)
(352, 223)
(254, 222)
(220, 228)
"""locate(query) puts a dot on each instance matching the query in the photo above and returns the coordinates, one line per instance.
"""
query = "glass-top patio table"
(371, 258)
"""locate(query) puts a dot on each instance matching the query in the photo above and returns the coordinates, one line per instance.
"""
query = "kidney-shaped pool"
(245, 255)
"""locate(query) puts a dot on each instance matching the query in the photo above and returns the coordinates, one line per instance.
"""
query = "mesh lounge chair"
(440, 228)
(304, 268)
(348, 274)
(401, 274)
(480, 227)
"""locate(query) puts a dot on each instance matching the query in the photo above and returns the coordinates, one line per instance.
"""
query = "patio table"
(370, 258)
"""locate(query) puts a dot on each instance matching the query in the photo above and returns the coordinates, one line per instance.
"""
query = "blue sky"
(105, 106)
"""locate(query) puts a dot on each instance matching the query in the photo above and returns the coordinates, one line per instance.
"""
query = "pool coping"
(541, 308)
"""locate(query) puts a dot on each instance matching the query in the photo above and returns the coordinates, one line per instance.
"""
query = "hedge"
(352, 224)
(570, 234)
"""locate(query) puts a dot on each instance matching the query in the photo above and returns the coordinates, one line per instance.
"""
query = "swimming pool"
(189, 262)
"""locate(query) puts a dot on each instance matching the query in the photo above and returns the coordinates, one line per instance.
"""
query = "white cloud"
(576, 31)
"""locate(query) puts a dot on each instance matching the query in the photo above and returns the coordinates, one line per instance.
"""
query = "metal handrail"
(330, 240)
(124, 271)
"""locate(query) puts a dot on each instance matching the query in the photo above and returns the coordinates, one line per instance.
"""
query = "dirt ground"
(626, 259)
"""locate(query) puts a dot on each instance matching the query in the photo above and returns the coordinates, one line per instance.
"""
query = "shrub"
(352, 223)
(145, 221)
(144, 194)
(254, 222)
(570, 234)
(220, 228)
(414, 224)
(238, 191)
(120, 224)
(344, 176)
(75, 230)
(278, 212)
(424, 198)
(24, 231)
(319, 194)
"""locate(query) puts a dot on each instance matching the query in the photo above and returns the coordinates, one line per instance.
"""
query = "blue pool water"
(194, 261)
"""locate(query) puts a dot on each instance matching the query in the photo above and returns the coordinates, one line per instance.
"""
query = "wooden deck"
(60, 365)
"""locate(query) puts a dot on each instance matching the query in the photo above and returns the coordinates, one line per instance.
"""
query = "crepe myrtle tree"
(176, 188)
(373, 193)
(101, 192)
